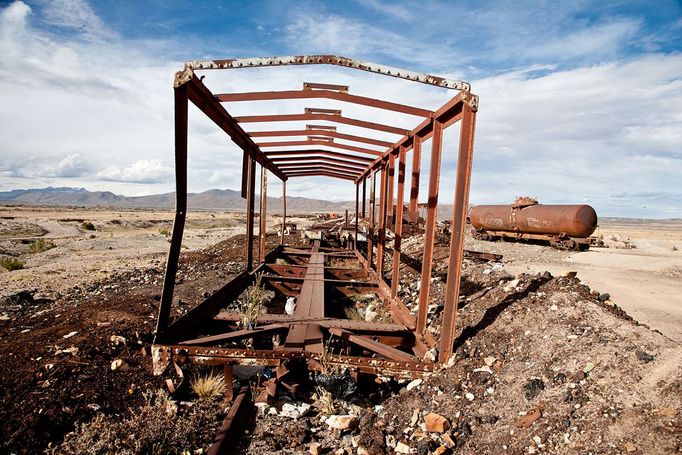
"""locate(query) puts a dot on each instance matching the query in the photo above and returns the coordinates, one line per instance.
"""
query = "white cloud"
(78, 15)
(71, 166)
(142, 171)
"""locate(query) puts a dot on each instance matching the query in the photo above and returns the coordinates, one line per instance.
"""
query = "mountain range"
(211, 199)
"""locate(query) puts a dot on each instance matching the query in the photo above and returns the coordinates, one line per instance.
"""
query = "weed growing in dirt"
(39, 246)
(327, 368)
(12, 263)
(157, 427)
(88, 226)
(209, 386)
(253, 304)
(325, 401)
(164, 232)
(281, 261)
(353, 314)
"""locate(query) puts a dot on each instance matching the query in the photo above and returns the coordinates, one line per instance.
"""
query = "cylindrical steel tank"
(572, 220)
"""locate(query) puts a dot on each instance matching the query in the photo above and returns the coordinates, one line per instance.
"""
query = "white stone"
(340, 422)
(470, 396)
(413, 384)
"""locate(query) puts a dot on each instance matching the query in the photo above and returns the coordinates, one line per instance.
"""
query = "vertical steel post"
(245, 173)
(357, 214)
(398, 230)
(461, 204)
(382, 222)
(370, 239)
(262, 230)
(430, 233)
(364, 189)
(416, 167)
(250, 203)
(181, 102)
(284, 210)
(390, 216)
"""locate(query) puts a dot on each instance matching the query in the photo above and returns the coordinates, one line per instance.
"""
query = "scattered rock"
(469, 396)
(630, 447)
(489, 361)
(533, 388)
(413, 384)
(315, 448)
(436, 423)
(604, 297)
(528, 420)
(643, 356)
(119, 364)
(402, 448)
(569, 274)
(70, 334)
(340, 422)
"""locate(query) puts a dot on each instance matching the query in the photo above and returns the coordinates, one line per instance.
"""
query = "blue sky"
(579, 101)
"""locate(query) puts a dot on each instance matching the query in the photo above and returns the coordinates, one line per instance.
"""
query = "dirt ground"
(531, 342)
(646, 281)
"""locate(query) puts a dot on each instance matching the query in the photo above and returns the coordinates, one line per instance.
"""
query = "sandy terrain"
(646, 280)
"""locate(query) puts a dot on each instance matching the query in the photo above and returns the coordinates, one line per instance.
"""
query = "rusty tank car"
(562, 226)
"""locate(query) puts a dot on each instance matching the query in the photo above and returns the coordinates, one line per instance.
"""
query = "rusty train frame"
(398, 349)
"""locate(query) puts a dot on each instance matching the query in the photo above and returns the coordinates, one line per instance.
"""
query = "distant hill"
(211, 199)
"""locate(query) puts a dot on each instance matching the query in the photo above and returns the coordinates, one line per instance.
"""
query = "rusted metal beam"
(284, 211)
(250, 205)
(322, 167)
(374, 346)
(430, 230)
(310, 303)
(364, 196)
(416, 170)
(311, 163)
(357, 215)
(446, 115)
(459, 214)
(381, 239)
(370, 238)
(398, 229)
(327, 115)
(320, 132)
(309, 142)
(181, 98)
(328, 60)
(235, 335)
(287, 155)
(322, 173)
(262, 230)
(390, 188)
(202, 98)
(324, 94)
(218, 444)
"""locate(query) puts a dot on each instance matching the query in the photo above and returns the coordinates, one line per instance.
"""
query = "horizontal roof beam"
(274, 155)
(447, 114)
(316, 165)
(322, 174)
(320, 132)
(325, 94)
(330, 143)
(203, 99)
(321, 114)
(326, 59)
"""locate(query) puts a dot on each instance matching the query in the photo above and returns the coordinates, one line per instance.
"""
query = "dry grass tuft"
(39, 246)
(12, 263)
(325, 401)
(208, 387)
(253, 305)
(156, 428)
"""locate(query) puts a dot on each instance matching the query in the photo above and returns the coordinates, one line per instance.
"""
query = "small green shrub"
(164, 232)
(12, 263)
(88, 226)
(39, 246)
